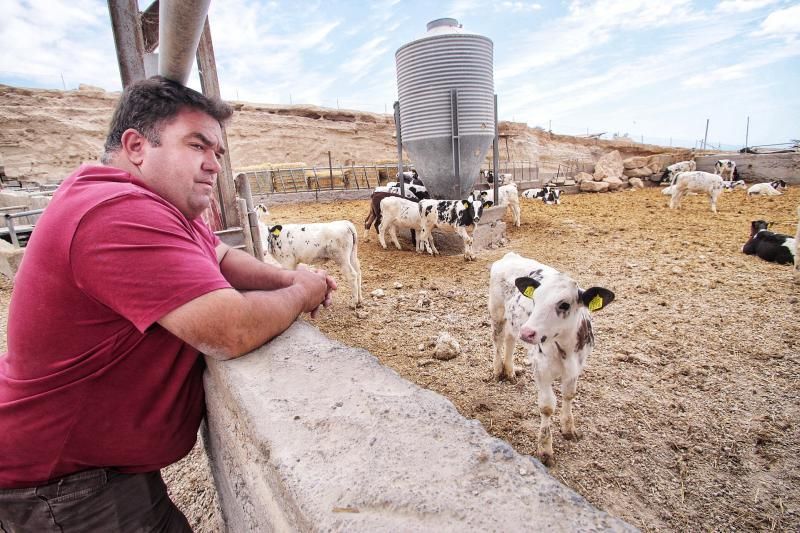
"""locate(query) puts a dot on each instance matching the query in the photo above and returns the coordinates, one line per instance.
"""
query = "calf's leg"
(547, 405)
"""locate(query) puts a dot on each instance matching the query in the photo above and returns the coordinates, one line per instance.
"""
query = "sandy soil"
(688, 405)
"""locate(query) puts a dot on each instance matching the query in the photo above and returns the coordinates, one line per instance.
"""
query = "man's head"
(170, 137)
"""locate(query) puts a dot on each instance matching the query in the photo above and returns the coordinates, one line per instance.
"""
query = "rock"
(638, 172)
(398, 285)
(634, 162)
(362, 315)
(593, 186)
(608, 165)
(677, 270)
(377, 293)
(614, 183)
(636, 183)
(583, 176)
(446, 347)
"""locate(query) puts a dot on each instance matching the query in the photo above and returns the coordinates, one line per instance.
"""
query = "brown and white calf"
(698, 182)
(292, 244)
(457, 215)
(551, 314)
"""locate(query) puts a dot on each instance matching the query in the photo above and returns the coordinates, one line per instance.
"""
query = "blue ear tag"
(528, 292)
(596, 303)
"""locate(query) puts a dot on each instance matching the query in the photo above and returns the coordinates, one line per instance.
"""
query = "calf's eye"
(564, 306)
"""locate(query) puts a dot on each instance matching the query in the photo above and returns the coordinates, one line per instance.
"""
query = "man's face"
(183, 169)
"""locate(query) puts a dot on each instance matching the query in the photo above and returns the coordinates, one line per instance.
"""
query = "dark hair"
(148, 105)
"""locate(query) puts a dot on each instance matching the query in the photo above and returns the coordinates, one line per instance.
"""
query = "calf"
(454, 214)
(772, 188)
(772, 247)
(374, 215)
(698, 182)
(797, 248)
(411, 191)
(399, 212)
(549, 195)
(727, 169)
(551, 314)
(509, 196)
(410, 177)
(732, 185)
(671, 170)
(292, 244)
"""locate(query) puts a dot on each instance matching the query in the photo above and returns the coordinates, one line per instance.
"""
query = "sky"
(655, 70)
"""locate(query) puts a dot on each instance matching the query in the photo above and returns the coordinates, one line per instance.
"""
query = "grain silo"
(445, 85)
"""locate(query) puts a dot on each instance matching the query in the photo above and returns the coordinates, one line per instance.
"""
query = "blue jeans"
(100, 500)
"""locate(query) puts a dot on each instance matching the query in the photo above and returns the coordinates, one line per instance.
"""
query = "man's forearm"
(245, 272)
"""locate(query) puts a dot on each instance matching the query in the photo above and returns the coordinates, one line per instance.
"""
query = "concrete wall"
(755, 168)
(307, 434)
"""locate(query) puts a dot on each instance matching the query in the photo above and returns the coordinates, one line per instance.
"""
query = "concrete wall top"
(307, 434)
(758, 167)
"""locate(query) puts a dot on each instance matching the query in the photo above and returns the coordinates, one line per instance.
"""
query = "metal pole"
(330, 168)
(705, 137)
(456, 144)
(399, 148)
(747, 132)
(128, 39)
(496, 153)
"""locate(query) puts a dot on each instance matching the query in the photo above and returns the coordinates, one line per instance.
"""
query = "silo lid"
(444, 25)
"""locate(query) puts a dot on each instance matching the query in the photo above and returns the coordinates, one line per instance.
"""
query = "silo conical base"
(435, 168)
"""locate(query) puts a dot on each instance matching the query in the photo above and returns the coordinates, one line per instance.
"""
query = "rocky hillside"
(47, 133)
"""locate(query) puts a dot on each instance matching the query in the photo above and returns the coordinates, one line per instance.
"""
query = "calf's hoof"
(546, 458)
(571, 435)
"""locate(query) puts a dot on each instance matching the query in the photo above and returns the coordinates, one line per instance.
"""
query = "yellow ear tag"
(276, 232)
(596, 303)
(528, 291)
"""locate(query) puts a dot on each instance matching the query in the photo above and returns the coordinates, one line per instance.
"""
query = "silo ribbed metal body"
(428, 70)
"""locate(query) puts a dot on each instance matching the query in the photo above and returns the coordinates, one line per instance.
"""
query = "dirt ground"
(688, 405)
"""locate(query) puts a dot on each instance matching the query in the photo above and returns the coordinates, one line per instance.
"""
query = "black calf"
(769, 246)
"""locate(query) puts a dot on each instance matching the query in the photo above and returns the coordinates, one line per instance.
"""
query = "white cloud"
(517, 6)
(782, 23)
(741, 6)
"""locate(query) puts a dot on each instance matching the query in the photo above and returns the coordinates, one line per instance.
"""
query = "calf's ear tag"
(596, 303)
(465, 204)
(528, 292)
(276, 231)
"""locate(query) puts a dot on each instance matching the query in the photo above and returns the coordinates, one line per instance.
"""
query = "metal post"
(496, 153)
(747, 134)
(330, 168)
(456, 144)
(705, 137)
(399, 149)
(243, 186)
(127, 39)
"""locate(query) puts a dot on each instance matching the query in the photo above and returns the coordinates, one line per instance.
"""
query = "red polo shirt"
(90, 379)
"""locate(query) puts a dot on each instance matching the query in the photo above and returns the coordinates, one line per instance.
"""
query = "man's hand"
(317, 286)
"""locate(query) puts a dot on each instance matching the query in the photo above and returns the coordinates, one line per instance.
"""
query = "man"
(121, 288)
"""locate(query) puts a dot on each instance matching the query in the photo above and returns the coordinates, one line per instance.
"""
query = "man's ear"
(133, 145)
(596, 298)
(526, 286)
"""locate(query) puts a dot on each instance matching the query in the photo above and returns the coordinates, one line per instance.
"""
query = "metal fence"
(305, 179)
(354, 177)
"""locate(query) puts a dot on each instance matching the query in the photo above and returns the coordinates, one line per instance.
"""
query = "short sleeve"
(141, 258)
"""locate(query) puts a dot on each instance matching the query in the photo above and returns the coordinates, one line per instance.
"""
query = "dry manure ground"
(689, 404)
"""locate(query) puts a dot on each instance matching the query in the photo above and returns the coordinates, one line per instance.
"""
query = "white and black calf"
(292, 244)
(548, 195)
(727, 169)
(671, 170)
(457, 215)
(732, 185)
(375, 217)
(772, 188)
(411, 191)
(698, 182)
(397, 212)
(769, 246)
(509, 196)
(551, 315)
